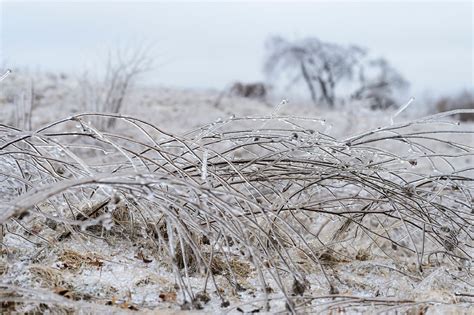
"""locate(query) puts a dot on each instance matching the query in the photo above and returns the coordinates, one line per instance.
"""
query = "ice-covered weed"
(276, 199)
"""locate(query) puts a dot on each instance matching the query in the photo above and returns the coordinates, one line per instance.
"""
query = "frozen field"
(181, 205)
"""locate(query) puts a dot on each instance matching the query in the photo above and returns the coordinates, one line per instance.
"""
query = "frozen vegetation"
(179, 204)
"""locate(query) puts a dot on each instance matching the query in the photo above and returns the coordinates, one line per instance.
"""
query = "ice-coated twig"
(204, 165)
(398, 112)
(283, 198)
(5, 75)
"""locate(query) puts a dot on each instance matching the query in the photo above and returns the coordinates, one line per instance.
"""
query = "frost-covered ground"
(119, 264)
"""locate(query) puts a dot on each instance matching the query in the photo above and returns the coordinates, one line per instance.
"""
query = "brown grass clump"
(47, 276)
(73, 260)
(363, 255)
(219, 266)
(3, 267)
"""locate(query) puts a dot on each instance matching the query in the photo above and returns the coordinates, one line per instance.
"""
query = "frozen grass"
(271, 205)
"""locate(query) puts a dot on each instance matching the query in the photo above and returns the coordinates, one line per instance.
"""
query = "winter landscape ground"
(181, 205)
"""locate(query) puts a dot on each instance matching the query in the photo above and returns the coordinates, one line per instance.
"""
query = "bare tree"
(321, 65)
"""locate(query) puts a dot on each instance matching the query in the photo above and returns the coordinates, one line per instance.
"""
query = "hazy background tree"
(321, 65)
(378, 82)
(324, 66)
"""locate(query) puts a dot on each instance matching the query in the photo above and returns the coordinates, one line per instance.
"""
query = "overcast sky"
(208, 45)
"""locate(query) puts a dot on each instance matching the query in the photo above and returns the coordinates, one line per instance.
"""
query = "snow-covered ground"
(114, 274)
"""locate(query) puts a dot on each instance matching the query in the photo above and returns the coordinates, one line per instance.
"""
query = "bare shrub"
(273, 199)
(250, 90)
(123, 68)
(464, 100)
(257, 91)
